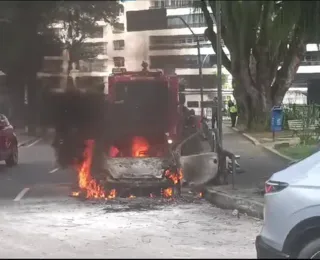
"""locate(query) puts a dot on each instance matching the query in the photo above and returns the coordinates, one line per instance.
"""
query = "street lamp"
(199, 59)
(219, 69)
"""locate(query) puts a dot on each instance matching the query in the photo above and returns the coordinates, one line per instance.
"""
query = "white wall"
(295, 97)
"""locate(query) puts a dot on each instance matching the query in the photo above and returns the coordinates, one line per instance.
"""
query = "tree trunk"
(16, 94)
(254, 108)
(27, 63)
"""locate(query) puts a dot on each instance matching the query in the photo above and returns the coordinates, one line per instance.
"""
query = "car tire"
(13, 158)
(310, 250)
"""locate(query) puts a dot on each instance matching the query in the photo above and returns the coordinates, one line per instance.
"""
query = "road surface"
(39, 219)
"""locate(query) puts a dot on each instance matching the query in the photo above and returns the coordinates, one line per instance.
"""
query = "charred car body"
(144, 124)
(135, 129)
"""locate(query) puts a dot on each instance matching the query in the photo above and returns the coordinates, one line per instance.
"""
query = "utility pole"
(27, 109)
(200, 75)
(219, 77)
(199, 59)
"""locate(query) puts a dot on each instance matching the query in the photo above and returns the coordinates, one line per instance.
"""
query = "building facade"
(170, 49)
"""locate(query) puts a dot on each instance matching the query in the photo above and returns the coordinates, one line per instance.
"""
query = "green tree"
(266, 41)
(25, 38)
(79, 20)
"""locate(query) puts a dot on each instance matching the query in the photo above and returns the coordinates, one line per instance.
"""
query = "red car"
(8, 142)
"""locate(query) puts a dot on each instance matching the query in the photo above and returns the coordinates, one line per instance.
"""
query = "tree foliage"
(79, 20)
(266, 41)
(26, 37)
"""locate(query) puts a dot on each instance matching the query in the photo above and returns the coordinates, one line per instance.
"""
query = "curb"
(270, 149)
(256, 142)
(249, 137)
(243, 205)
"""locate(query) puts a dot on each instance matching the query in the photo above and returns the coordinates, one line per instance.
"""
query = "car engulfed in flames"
(137, 172)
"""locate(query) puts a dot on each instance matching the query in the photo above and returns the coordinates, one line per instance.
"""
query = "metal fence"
(310, 114)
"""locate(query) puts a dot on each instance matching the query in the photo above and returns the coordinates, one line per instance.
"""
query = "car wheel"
(311, 250)
(13, 158)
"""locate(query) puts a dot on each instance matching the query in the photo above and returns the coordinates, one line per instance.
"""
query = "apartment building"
(175, 48)
(90, 69)
(171, 49)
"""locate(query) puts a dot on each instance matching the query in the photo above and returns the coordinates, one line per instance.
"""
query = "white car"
(292, 212)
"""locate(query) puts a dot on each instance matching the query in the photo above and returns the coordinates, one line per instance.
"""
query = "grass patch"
(298, 152)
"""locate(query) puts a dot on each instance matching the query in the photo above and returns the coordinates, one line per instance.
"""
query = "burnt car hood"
(135, 168)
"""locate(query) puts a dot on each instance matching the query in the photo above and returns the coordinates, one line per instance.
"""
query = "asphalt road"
(39, 219)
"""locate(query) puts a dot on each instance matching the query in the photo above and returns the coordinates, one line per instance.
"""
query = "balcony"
(193, 20)
(118, 28)
(181, 61)
(182, 25)
(176, 42)
(172, 4)
(52, 65)
(97, 32)
(310, 63)
(92, 66)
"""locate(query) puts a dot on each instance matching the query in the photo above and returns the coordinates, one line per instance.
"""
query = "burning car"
(144, 124)
(130, 138)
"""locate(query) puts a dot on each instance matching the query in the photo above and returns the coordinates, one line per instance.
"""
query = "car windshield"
(142, 102)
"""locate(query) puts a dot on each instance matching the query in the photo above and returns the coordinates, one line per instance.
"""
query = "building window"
(119, 62)
(192, 81)
(92, 65)
(176, 42)
(172, 3)
(92, 50)
(97, 32)
(194, 20)
(182, 61)
(118, 28)
(194, 104)
(311, 58)
(98, 65)
(118, 45)
(51, 66)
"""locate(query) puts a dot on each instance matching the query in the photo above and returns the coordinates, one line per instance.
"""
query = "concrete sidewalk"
(258, 165)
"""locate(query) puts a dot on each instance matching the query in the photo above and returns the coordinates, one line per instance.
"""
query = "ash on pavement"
(48, 223)
(129, 228)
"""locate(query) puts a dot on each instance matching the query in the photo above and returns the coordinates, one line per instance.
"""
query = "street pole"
(219, 78)
(200, 75)
(26, 104)
(199, 60)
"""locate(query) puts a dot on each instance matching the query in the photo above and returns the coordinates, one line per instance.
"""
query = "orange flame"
(114, 151)
(140, 147)
(132, 197)
(75, 193)
(175, 177)
(167, 193)
(112, 194)
(85, 180)
(200, 194)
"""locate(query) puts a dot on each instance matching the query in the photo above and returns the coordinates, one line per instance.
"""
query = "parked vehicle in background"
(8, 142)
(292, 212)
